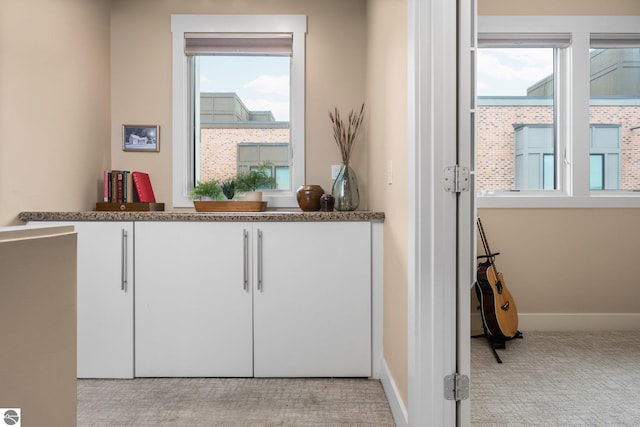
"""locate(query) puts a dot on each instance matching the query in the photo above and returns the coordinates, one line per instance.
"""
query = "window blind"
(488, 40)
(603, 41)
(265, 44)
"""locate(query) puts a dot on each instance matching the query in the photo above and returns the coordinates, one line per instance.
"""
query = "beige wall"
(141, 77)
(556, 7)
(566, 260)
(387, 140)
(54, 104)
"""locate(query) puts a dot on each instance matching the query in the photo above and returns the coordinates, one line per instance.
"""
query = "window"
(218, 127)
(241, 96)
(252, 155)
(614, 110)
(569, 134)
(604, 172)
(534, 163)
(535, 158)
(517, 113)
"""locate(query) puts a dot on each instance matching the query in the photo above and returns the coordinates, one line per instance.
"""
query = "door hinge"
(456, 387)
(456, 179)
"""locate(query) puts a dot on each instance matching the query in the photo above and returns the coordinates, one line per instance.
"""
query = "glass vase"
(345, 189)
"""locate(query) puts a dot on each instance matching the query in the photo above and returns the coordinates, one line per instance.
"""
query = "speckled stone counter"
(268, 216)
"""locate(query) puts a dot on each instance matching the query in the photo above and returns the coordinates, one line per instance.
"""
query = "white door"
(312, 299)
(193, 299)
(440, 221)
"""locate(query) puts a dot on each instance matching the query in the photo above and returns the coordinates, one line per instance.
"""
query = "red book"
(143, 187)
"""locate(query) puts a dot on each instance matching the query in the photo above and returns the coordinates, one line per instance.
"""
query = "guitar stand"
(485, 285)
(496, 342)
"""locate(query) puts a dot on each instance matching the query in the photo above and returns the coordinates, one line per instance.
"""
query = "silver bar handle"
(246, 260)
(260, 260)
(123, 265)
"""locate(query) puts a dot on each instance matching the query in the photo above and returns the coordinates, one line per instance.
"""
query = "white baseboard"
(398, 409)
(569, 322)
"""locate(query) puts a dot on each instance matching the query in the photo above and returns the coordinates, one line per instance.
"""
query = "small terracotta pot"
(308, 197)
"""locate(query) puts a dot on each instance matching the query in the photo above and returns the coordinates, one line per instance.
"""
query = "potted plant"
(209, 190)
(254, 180)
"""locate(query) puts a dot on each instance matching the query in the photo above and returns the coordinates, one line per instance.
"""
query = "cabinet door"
(193, 299)
(105, 298)
(312, 311)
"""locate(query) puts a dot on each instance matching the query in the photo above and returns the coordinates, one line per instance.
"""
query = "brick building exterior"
(497, 116)
(219, 147)
(225, 124)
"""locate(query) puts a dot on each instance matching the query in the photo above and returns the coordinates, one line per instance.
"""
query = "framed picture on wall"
(141, 138)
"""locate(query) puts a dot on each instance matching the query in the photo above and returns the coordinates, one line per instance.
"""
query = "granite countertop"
(267, 216)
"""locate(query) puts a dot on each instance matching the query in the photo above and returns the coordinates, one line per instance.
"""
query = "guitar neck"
(491, 257)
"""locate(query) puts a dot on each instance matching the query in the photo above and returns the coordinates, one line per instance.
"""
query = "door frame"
(467, 212)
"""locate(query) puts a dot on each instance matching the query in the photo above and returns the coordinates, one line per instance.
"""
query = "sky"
(508, 72)
(261, 82)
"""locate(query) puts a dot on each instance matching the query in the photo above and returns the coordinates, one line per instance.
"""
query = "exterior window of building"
(605, 157)
(238, 79)
(534, 160)
(276, 155)
(596, 168)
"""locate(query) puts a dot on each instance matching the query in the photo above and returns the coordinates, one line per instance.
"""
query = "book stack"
(127, 187)
(128, 191)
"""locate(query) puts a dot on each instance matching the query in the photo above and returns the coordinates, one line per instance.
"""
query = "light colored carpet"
(546, 379)
(558, 379)
(232, 402)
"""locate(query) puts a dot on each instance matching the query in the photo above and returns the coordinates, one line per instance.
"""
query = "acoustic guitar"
(497, 307)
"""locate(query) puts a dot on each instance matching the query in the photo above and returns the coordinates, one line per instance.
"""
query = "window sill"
(529, 201)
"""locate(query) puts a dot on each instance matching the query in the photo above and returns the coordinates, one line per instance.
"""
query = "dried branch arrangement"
(345, 134)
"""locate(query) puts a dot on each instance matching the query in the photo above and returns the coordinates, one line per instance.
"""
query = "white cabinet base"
(105, 298)
(193, 310)
(312, 316)
(228, 299)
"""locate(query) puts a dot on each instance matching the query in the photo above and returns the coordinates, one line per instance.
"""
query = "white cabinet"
(253, 299)
(193, 299)
(105, 298)
(312, 301)
(224, 299)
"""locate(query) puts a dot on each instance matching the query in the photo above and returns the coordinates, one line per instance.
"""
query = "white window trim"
(575, 193)
(182, 150)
